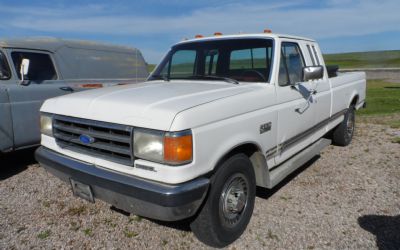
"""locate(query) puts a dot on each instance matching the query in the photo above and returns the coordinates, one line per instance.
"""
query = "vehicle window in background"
(291, 64)
(311, 54)
(211, 62)
(101, 64)
(246, 60)
(41, 67)
(183, 64)
(316, 55)
(4, 69)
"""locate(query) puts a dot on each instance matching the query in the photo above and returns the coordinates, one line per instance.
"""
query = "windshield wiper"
(226, 79)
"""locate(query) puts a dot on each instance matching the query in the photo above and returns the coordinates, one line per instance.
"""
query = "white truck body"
(274, 123)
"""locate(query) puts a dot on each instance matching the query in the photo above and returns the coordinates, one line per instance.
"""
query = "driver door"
(296, 113)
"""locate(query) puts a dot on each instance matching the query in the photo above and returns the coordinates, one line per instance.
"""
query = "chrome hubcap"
(234, 199)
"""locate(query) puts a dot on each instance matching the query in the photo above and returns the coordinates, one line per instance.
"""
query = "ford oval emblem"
(86, 139)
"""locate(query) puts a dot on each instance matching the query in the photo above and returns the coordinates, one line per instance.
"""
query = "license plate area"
(82, 190)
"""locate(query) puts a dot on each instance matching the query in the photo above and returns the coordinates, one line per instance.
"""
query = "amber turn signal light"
(178, 150)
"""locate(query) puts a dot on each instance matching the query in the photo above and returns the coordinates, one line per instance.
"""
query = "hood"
(150, 104)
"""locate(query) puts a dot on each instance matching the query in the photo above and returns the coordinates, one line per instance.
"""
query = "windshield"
(4, 69)
(244, 60)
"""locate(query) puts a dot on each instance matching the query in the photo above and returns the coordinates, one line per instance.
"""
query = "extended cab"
(52, 67)
(217, 117)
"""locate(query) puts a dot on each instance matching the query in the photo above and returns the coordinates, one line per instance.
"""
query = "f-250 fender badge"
(265, 127)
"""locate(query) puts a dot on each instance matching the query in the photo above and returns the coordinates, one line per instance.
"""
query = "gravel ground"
(348, 198)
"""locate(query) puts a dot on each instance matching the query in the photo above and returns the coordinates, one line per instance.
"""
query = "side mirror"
(313, 73)
(24, 68)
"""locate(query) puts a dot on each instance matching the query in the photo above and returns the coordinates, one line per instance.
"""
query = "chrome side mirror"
(24, 68)
(313, 73)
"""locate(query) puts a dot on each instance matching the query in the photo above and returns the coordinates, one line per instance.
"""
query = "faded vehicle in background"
(33, 70)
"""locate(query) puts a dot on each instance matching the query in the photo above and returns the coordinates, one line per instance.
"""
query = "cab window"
(41, 67)
(291, 64)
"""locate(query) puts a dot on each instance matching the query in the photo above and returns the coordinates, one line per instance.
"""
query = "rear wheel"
(343, 134)
(229, 204)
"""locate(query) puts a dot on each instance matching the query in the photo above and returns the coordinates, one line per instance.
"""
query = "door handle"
(67, 89)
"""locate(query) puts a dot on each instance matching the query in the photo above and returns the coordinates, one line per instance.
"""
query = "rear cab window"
(41, 66)
(5, 72)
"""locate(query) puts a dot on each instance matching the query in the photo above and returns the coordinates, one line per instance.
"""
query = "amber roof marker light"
(217, 34)
(267, 31)
(198, 36)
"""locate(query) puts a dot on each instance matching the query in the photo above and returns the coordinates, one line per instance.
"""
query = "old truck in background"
(217, 117)
(32, 70)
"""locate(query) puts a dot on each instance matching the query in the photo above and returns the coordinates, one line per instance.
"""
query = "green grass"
(383, 104)
(382, 98)
(375, 59)
(88, 232)
(43, 235)
(150, 67)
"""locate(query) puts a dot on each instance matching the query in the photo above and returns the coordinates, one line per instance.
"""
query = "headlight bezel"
(46, 124)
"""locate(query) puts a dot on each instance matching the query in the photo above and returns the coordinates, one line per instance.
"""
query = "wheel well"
(354, 101)
(257, 159)
(248, 149)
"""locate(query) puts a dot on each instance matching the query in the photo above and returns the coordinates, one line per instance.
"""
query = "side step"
(280, 172)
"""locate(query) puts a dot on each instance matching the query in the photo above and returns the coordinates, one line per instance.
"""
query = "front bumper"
(132, 194)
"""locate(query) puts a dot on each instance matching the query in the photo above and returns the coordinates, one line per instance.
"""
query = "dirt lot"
(348, 198)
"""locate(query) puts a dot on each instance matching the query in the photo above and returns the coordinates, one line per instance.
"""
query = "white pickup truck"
(219, 116)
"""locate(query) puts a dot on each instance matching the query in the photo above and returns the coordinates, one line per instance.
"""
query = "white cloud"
(342, 18)
(337, 18)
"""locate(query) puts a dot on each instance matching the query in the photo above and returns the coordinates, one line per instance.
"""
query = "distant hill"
(373, 59)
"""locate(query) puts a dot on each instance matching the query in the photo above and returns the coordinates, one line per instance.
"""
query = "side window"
(211, 62)
(5, 73)
(316, 55)
(40, 65)
(291, 64)
(311, 54)
(183, 63)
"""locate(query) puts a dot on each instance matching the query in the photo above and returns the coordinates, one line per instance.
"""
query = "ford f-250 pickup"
(217, 117)
(35, 69)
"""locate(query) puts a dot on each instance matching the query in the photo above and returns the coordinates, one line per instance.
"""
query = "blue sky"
(154, 25)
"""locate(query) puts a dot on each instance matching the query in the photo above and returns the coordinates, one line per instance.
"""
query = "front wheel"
(229, 205)
(343, 133)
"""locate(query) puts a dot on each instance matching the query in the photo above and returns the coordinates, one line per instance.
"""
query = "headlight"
(173, 148)
(46, 124)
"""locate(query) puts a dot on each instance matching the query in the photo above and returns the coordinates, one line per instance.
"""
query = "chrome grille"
(111, 142)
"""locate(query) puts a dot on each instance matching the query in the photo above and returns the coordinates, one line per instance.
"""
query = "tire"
(229, 204)
(343, 134)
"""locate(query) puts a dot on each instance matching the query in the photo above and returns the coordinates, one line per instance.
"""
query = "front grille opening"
(112, 142)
